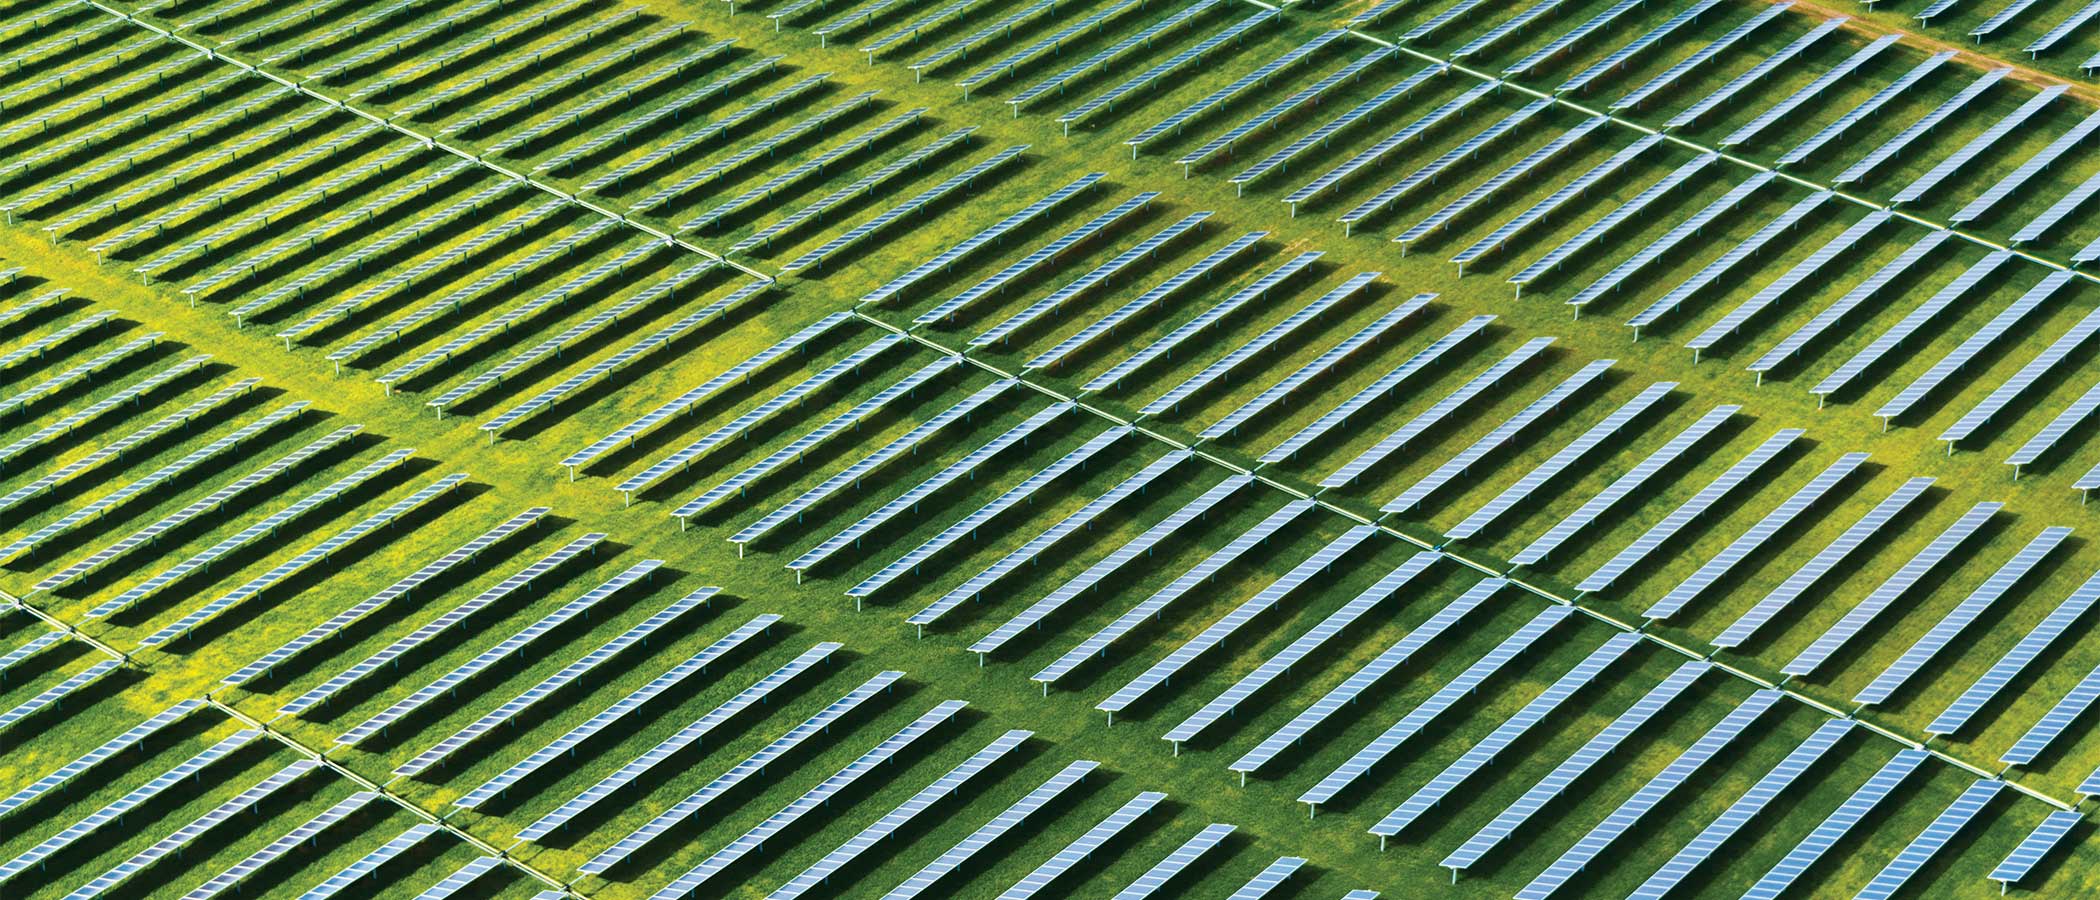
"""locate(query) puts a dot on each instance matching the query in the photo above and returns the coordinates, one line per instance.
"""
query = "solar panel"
(448, 684)
(1690, 510)
(861, 468)
(115, 810)
(2034, 644)
(1651, 795)
(1156, 878)
(1269, 337)
(619, 709)
(1012, 817)
(1618, 58)
(1810, 91)
(1269, 879)
(57, 693)
(1318, 136)
(1928, 844)
(1456, 466)
(1866, 108)
(2026, 171)
(820, 872)
(1296, 101)
(682, 458)
(841, 424)
(2058, 211)
(1722, 264)
(1558, 463)
(1505, 735)
(1382, 387)
(2063, 29)
(36, 645)
(371, 862)
(1755, 537)
(1219, 631)
(1557, 782)
(1155, 606)
(1325, 362)
(1110, 564)
(1053, 43)
(76, 375)
(1822, 563)
(1745, 807)
(462, 878)
(108, 750)
(1144, 250)
(910, 162)
(965, 467)
(430, 630)
(816, 165)
(1364, 678)
(1683, 231)
(625, 435)
(1241, 85)
(275, 850)
(2035, 370)
(754, 695)
(1435, 414)
(1921, 127)
(196, 828)
(1973, 346)
(1429, 172)
(1955, 161)
(991, 234)
(1507, 27)
(970, 524)
(1442, 20)
(2036, 847)
(1841, 821)
(1304, 645)
(1425, 713)
(1911, 322)
(1838, 309)
(1624, 486)
(1083, 846)
(751, 765)
(1778, 288)
(1495, 183)
(762, 149)
(1141, 40)
(303, 560)
(1167, 67)
(1501, 236)
(2005, 16)
(1757, 73)
(1377, 152)
(1698, 58)
(1107, 324)
(266, 526)
(2051, 726)
(552, 684)
(1171, 341)
(814, 798)
(1619, 215)
(891, 216)
(1027, 553)
(1048, 253)
(2071, 417)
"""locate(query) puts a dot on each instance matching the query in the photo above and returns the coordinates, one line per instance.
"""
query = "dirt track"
(1964, 54)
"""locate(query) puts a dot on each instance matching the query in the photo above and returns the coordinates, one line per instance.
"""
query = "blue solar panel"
(1557, 782)
(1500, 180)
(1165, 346)
(1890, 590)
(2024, 380)
(1269, 337)
(1303, 646)
(2051, 726)
(1954, 162)
(1962, 615)
(1153, 297)
(110, 749)
(1377, 152)
(1810, 91)
(57, 693)
(1241, 85)
(1700, 57)
(1428, 419)
(1513, 729)
(1325, 362)
(1973, 346)
(1458, 689)
(752, 765)
(1617, 58)
(1912, 321)
(1009, 819)
(1755, 537)
(1267, 880)
(1537, 212)
(462, 878)
(1655, 250)
(990, 235)
(1837, 825)
(1363, 679)
(1142, 251)
(1778, 288)
(1168, 67)
(1843, 306)
(1756, 73)
(1156, 878)
(1046, 254)
(2017, 659)
(2036, 846)
(1154, 606)
(1555, 465)
(286, 843)
(1822, 563)
(1650, 795)
(2034, 165)
(723, 713)
(1545, 405)
(1297, 100)
(1619, 216)
(370, 862)
(1088, 66)
(1624, 486)
(1428, 173)
(1690, 510)
(1866, 108)
(1745, 808)
(1083, 846)
(1722, 264)
(1928, 844)
(1922, 127)
(959, 181)
(1318, 136)
(196, 828)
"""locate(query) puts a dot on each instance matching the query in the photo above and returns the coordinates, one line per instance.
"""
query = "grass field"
(504, 290)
